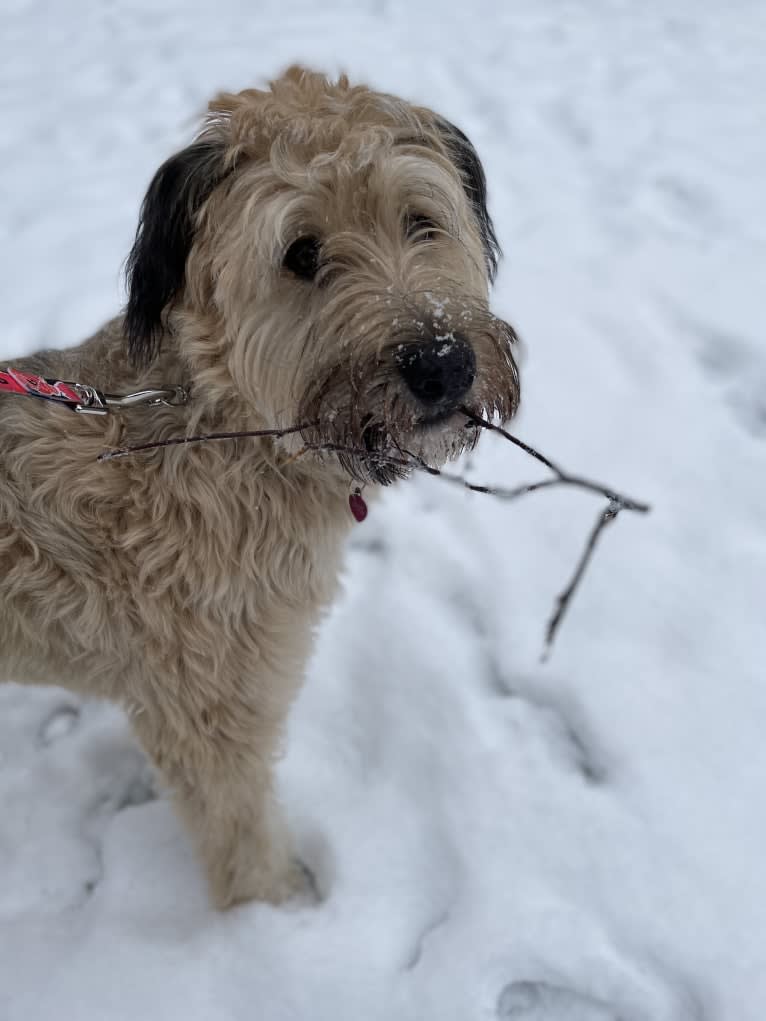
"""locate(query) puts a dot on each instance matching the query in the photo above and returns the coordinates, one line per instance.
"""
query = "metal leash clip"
(93, 402)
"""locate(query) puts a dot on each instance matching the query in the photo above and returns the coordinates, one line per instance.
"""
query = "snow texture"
(491, 837)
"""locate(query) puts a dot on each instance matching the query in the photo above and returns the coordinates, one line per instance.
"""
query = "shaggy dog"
(319, 255)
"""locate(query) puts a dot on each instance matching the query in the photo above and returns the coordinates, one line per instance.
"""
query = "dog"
(320, 255)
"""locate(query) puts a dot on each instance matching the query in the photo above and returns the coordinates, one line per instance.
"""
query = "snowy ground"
(494, 838)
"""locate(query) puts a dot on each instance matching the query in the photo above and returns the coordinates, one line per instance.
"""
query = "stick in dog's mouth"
(371, 462)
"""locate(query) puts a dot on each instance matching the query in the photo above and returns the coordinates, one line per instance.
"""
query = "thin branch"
(579, 481)
(176, 441)
(564, 598)
(408, 460)
(500, 492)
(617, 503)
(486, 424)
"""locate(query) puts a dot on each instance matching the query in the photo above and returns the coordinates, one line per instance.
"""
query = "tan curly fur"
(186, 584)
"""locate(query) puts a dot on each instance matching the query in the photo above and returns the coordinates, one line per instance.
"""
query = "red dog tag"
(358, 506)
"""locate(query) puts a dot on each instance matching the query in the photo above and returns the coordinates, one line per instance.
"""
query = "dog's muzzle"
(438, 373)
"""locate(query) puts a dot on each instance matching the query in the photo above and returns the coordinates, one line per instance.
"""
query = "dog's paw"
(297, 884)
(294, 883)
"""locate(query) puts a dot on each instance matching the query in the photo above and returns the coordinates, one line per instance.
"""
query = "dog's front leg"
(223, 787)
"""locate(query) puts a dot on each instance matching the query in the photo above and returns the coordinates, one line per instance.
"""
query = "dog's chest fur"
(218, 537)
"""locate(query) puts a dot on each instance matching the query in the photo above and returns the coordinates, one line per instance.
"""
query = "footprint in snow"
(684, 203)
(735, 365)
(60, 723)
(539, 1001)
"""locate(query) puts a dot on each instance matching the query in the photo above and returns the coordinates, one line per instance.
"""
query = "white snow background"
(493, 838)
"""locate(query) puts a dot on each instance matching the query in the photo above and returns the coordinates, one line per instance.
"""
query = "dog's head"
(324, 253)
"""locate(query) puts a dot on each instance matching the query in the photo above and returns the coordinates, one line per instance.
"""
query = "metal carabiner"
(171, 396)
(93, 402)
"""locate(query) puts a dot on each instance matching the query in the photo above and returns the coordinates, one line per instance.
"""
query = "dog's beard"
(389, 454)
(362, 412)
(387, 438)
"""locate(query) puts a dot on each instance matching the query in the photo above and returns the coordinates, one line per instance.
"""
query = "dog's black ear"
(466, 159)
(157, 262)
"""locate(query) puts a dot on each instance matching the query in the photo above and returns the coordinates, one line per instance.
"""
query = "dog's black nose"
(438, 372)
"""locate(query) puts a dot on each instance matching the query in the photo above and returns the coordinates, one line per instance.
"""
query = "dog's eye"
(420, 227)
(302, 257)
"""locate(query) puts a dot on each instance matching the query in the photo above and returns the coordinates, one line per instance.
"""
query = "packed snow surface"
(582, 840)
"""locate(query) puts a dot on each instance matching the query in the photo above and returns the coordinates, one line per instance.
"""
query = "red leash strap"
(14, 382)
